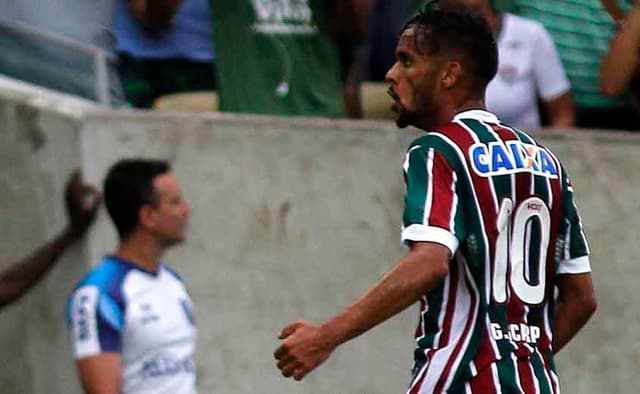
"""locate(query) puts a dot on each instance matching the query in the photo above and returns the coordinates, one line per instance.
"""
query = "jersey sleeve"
(551, 79)
(96, 322)
(431, 200)
(575, 254)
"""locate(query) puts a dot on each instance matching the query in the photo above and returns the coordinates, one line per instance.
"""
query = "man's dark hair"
(459, 32)
(127, 187)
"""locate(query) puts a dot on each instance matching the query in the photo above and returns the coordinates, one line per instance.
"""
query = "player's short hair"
(127, 187)
(460, 33)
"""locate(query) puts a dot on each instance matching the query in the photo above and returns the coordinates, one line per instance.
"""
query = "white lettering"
(535, 334)
(283, 11)
(510, 157)
(496, 332)
(524, 332)
(515, 332)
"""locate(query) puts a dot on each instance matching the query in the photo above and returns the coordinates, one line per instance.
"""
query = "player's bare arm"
(575, 304)
(306, 346)
(100, 374)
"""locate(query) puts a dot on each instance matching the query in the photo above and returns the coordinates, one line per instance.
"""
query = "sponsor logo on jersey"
(510, 157)
(167, 365)
(83, 307)
(147, 314)
(82, 316)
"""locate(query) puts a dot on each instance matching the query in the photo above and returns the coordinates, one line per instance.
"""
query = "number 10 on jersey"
(514, 248)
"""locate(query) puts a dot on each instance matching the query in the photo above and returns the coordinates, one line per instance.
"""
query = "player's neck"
(448, 112)
(468, 105)
(141, 250)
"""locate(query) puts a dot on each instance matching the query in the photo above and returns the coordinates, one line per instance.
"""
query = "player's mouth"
(396, 99)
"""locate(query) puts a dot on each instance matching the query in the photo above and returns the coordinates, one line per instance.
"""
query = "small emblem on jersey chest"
(508, 73)
(147, 314)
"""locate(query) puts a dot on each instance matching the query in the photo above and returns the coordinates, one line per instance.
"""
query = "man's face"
(413, 82)
(170, 214)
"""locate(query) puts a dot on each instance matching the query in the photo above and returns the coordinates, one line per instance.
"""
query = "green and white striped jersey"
(504, 206)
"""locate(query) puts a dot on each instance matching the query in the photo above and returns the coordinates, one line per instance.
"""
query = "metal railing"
(23, 46)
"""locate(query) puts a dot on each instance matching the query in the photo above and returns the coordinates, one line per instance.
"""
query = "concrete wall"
(291, 219)
(39, 146)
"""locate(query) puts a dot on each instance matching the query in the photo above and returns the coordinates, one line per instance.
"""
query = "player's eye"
(404, 60)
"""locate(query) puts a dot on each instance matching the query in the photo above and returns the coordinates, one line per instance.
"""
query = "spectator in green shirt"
(282, 57)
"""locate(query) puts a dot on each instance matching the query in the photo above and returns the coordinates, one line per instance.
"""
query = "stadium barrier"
(292, 218)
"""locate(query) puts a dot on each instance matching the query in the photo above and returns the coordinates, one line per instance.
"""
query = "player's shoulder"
(441, 139)
(101, 289)
(107, 277)
(436, 145)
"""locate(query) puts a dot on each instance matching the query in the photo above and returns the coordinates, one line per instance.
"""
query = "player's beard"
(414, 117)
(405, 118)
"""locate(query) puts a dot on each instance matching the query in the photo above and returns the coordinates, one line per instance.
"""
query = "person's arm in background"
(561, 111)
(575, 304)
(620, 63)
(552, 83)
(82, 203)
(613, 8)
(153, 14)
(353, 27)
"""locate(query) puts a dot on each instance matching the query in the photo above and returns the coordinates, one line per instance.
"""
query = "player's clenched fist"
(305, 347)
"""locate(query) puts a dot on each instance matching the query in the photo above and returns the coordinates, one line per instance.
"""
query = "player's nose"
(390, 77)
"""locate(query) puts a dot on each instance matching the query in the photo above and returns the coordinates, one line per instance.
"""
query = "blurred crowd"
(562, 63)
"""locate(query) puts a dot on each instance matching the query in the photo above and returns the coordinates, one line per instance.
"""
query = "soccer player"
(491, 225)
(131, 318)
(82, 202)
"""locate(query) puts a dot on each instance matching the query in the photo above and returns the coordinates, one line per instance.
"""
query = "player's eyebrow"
(401, 54)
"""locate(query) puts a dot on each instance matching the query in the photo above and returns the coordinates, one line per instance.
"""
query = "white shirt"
(528, 65)
(146, 318)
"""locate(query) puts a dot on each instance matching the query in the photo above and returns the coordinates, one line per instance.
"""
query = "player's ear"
(450, 74)
(146, 216)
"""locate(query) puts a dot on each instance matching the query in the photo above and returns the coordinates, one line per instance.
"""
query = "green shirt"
(277, 57)
(500, 5)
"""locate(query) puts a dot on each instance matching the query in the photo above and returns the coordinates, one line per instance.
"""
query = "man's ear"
(146, 215)
(451, 74)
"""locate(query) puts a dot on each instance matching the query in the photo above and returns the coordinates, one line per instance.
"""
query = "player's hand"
(82, 202)
(305, 347)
